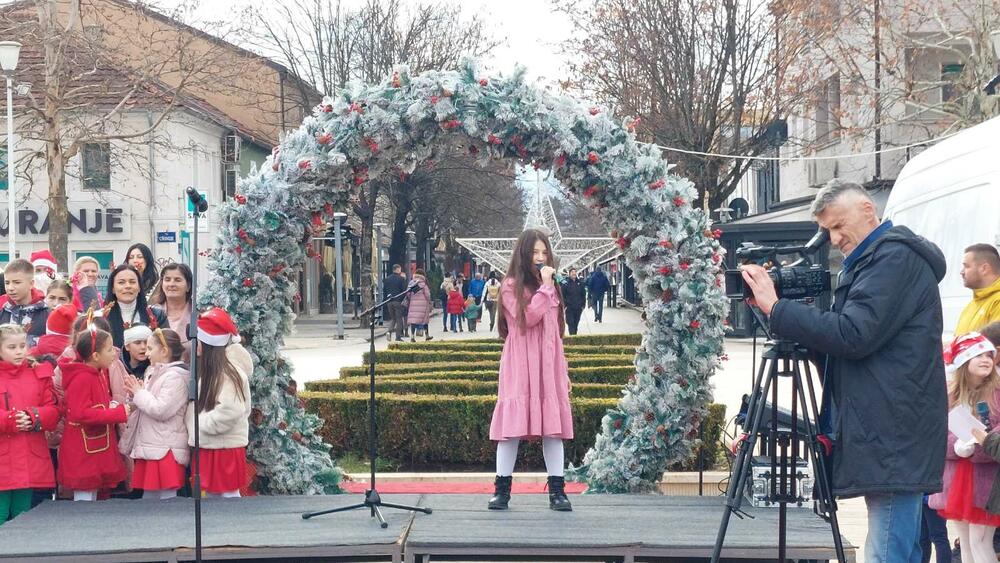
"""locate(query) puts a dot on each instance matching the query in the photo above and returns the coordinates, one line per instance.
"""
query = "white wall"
(187, 152)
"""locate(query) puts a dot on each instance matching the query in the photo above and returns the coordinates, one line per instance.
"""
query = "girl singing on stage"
(533, 394)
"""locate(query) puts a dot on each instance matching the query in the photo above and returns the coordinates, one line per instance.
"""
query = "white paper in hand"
(961, 421)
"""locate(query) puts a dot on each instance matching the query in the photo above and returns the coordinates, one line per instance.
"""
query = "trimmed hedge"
(497, 345)
(449, 429)
(611, 375)
(474, 343)
(401, 356)
(487, 365)
(447, 386)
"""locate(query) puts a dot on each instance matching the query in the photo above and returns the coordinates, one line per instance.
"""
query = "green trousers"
(13, 503)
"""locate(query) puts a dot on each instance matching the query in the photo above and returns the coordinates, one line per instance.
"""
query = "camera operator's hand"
(760, 284)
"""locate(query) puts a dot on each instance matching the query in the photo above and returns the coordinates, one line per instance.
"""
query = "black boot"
(501, 493)
(557, 495)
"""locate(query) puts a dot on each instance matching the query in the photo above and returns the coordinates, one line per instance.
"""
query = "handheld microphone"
(984, 414)
(559, 279)
(197, 200)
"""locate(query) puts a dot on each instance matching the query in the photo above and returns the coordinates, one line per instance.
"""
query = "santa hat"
(216, 328)
(964, 348)
(44, 259)
(61, 320)
(136, 333)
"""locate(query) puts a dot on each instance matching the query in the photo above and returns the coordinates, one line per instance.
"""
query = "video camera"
(800, 280)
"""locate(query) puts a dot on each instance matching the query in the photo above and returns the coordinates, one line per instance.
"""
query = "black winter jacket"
(574, 294)
(885, 397)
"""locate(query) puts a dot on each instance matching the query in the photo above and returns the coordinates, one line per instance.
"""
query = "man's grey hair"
(832, 191)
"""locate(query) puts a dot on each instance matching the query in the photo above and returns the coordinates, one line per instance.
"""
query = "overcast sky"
(530, 30)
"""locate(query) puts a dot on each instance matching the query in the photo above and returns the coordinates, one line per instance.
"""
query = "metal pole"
(11, 193)
(193, 389)
(340, 278)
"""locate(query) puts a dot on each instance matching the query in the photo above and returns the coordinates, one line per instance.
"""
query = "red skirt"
(222, 470)
(161, 474)
(959, 505)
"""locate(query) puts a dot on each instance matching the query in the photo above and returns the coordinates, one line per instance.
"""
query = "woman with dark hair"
(533, 392)
(127, 306)
(140, 257)
(173, 297)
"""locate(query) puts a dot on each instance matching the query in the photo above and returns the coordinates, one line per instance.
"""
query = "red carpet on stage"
(418, 487)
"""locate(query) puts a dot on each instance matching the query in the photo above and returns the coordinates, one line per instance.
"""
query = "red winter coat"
(88, 453)
(24, 456)
(456, 303)
(54, 344)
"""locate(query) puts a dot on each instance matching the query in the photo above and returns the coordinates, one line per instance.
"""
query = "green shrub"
(492, 366)
(447, 386)
(611, 375)
(400, 356)
(448, 429)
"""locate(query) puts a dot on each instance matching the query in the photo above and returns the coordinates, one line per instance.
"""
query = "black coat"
(884, 374)
(114, 317)
(574, 294)
(394, 285)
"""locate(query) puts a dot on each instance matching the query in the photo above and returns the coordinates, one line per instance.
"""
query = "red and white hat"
(964, 348)
(61, 320)
(44, 259)
(216, 328)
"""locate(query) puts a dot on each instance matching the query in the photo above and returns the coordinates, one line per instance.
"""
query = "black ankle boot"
(557, 495)
(501, 493)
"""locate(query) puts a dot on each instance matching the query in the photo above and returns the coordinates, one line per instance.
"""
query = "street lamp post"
(9, 53)
(338, 226)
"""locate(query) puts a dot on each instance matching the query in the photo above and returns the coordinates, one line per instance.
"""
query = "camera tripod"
(781, 359)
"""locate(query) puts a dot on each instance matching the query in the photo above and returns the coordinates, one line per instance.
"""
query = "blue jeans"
(598, 304)
(894, 522)
(934, 532)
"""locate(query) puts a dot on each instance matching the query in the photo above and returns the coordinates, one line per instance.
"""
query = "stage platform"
(625, 528)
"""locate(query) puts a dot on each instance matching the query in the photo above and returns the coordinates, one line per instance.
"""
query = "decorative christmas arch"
(367, 131)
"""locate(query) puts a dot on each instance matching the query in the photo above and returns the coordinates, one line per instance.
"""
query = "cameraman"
(884, 398)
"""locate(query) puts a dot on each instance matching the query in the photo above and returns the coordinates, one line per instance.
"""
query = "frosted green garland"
(368, 131)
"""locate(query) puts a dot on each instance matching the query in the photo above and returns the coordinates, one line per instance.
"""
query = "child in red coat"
(456, 308)
(88, 454)
(27, 409)
(58, 328)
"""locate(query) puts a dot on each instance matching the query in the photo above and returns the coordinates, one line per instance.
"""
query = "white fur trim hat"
(137, 332)
(216, 328)
(964, 348)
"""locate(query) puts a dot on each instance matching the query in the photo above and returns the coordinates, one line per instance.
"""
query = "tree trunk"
(398, 246)
(55, 167)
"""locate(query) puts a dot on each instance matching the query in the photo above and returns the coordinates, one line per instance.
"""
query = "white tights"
(161, 494)
(227, 494)
(977, 542)
(552, 451)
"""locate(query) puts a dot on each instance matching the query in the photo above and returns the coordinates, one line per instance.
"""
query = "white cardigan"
(228, 424)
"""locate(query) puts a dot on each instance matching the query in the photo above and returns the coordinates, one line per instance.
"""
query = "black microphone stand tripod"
(372, 499)
(200, 206)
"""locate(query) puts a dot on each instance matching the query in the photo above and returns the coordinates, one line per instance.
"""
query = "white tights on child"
(227, 494)
(552, 451)
(976, 542)
(87, 496)
(160, 494)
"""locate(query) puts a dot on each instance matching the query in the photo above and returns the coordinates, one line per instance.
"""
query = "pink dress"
(533, 395)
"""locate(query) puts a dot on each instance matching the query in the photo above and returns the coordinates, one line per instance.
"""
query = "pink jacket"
(158, 422)
(984, 469)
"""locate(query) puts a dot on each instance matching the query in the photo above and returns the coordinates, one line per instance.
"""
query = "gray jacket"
(885, 397)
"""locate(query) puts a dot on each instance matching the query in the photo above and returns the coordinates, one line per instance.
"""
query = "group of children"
(76, 421)
(460, 308)
(971, 494)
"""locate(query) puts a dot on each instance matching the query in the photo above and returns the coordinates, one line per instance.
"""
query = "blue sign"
(166, 236)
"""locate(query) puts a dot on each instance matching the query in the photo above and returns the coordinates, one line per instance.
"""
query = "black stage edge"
(621, 528)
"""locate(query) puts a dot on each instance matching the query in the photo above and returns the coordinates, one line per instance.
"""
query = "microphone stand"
(200, 206)
(372, 499)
